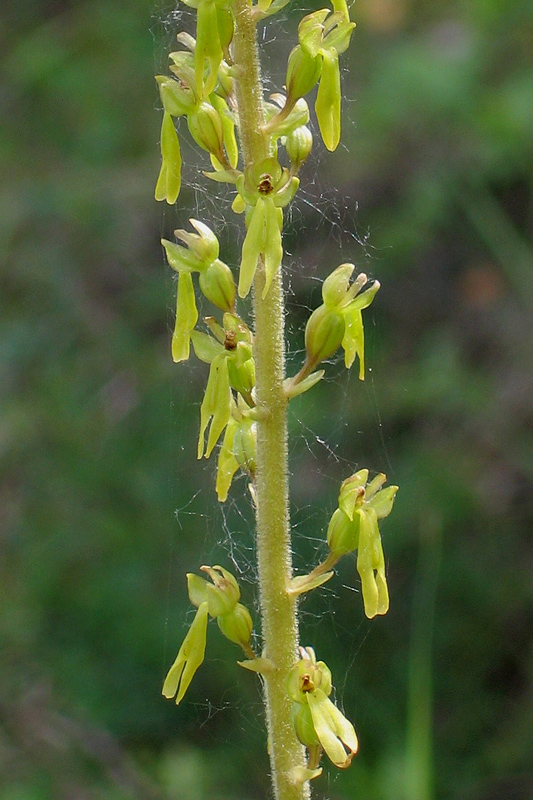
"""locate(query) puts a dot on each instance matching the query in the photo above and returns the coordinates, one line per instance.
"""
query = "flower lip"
(229, 341)
(265, 185)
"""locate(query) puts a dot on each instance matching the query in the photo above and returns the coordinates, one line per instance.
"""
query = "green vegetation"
(435, 181)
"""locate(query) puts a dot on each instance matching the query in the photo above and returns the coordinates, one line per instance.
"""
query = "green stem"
(278, 608)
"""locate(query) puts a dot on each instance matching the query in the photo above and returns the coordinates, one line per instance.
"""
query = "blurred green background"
(103, 507)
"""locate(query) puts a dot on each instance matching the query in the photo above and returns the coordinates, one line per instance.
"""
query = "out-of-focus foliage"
(98, 426)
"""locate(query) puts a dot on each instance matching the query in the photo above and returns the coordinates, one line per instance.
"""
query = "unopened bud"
(303, 71)
(206, 129)
(217, 284)
(237, 625)
(302, 722)
(298, 145)
(241, 369)
(343, 533)
(323, 333)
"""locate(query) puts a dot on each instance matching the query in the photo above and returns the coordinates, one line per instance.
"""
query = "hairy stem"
(278, 608)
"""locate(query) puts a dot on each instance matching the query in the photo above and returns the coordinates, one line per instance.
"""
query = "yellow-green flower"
(265, 188)
(318, 723)
(354, 526)
(219, 600)
(338, 321)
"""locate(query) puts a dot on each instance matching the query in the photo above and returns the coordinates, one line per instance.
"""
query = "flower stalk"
(279, 624)
(217, 87)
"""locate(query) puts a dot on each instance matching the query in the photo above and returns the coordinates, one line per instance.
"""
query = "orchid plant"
(258, 145)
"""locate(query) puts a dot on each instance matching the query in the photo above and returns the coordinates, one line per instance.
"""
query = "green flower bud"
(225, 86)
(217, 284)
(323, 333)
(241, 370)
(206, 129)
(302, 722)
(303, 72)
(343, 534)
(169, 181)
(298, 145)
(237, 625)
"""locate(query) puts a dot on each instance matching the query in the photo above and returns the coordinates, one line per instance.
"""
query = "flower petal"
(335, 733)
(169, 181)
(189, 658)
(186, 318)
(251, 248)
